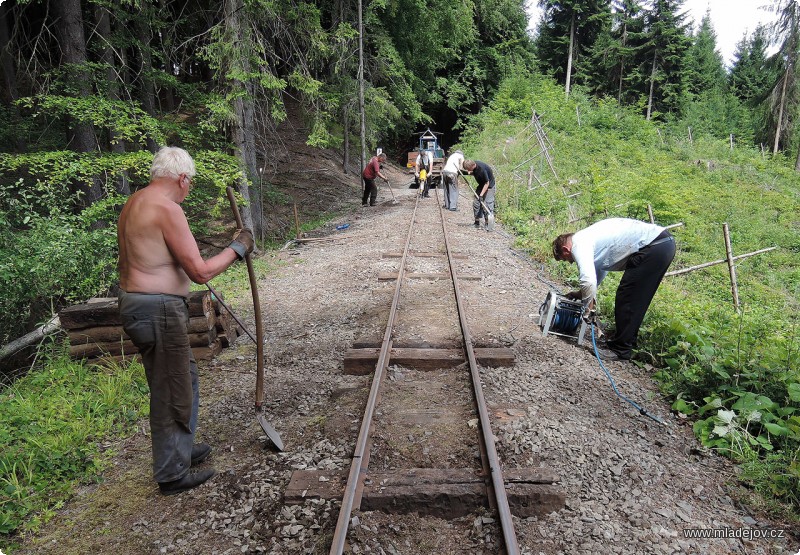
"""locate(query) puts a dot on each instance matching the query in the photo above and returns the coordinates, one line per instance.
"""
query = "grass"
(713, 361)
(55, 421)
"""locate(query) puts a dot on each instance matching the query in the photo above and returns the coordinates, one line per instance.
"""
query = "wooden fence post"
(731, 266)
(650, 213)
(296, 222)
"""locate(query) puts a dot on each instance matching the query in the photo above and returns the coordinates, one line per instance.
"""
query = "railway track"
(425, 443)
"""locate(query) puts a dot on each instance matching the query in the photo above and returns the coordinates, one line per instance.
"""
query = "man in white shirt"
(454, 164)
(641, 250)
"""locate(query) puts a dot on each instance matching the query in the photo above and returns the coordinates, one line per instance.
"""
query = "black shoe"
(609, 354)
(193, 479)
(200, 452)
(372, 205)
(363, 204)
(477, 224)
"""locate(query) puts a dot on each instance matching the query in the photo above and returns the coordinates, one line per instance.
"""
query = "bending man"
(369, 174)
(158, 258)
(484, 177)
(641, 250)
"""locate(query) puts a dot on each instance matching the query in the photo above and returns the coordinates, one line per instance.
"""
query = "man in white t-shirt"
(643, 251)
(454, 164)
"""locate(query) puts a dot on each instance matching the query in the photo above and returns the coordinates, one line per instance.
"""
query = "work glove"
(590, 317)
(573, 295)
(242, 242)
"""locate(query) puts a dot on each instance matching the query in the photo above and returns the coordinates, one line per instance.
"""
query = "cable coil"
(565, 321)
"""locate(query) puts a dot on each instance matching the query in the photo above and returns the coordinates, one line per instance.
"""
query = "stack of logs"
(95, 331)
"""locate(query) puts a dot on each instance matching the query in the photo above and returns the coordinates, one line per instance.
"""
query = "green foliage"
(737, 374)
(54, 423)
(129, 122)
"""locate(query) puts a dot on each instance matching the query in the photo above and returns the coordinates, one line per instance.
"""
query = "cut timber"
(207, 353)
(99, 312)
(359, 362)
(91, 350)
(444, 493)
(107, 334)
(391, 276)
(95, 330)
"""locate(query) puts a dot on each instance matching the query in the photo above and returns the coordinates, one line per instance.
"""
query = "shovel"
(489, 215)
(266, 426)
(394, 200)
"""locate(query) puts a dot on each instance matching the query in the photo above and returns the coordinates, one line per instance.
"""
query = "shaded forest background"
(91, 88)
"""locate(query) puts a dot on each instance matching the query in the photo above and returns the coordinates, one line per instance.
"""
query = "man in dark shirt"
(369, 174)
(484, 177)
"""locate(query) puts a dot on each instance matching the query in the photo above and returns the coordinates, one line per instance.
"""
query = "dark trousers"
(643, 274)
(370, 191)
(158, 326)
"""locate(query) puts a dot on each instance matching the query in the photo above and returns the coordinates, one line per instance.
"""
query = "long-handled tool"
(388, 186)
(489, 215)
(266, 426)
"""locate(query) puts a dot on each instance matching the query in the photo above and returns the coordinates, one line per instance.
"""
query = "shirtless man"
(158, 258)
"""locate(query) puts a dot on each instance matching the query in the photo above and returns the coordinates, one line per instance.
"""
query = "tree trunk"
(781, 104)
(361, 84)
(243, 128)
(652, 87)
(117, 146)
(346, 127)
(73, 53)
(10, 92)
(622, 63)
(146, 88)
(569, 55)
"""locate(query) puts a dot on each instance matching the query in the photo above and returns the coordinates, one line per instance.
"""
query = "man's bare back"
(146, 263)
(157, 251)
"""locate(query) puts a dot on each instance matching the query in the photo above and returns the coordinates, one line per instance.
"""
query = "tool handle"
(256, 308)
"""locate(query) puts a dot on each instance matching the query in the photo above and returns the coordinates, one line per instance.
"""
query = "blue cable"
(614, 385)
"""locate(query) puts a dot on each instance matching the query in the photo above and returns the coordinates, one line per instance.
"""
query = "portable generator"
(559, 315)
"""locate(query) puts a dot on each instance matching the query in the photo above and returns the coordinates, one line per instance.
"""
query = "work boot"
(200, 452)
(477, 224)
(193, 479)
(609, 354)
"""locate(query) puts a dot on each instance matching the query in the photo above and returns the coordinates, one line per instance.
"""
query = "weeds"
(53, 421)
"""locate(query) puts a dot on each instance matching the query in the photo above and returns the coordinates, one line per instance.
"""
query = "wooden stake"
(731, 266)
(650, 213)
(715, 262)
(296, 222)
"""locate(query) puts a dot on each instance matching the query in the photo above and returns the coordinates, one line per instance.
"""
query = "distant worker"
(158, 260)
(641, 250)
(369, 174)
(484, 177)
(450, 173)
(422, 171)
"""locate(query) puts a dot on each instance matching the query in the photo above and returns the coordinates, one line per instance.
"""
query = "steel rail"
(503, 510)
(353, 489)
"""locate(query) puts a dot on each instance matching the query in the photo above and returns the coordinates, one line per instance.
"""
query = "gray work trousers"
(477, 209)
(450, 181)
(158, 326)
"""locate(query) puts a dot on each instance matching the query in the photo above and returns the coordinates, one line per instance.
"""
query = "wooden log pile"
(95, 331)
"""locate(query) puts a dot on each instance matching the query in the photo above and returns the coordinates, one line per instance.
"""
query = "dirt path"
(632, 486)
